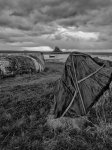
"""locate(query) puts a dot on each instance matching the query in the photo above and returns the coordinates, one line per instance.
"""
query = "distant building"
(57, 49)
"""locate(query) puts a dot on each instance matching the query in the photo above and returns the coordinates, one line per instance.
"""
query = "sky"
(43, 24)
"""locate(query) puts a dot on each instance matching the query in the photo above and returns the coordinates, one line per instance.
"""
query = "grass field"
(25, 102)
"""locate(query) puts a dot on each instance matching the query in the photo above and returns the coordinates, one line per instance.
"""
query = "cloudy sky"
(69, 24)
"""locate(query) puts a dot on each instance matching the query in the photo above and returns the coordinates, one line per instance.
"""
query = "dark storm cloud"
(8, 20)
(41, 29)
(65, 9)
(39, 17)
(65, 12)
